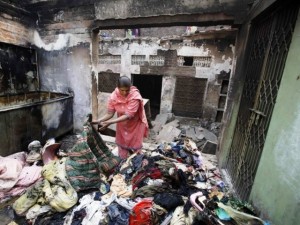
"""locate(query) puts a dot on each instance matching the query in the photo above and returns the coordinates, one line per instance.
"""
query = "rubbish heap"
(172, 184)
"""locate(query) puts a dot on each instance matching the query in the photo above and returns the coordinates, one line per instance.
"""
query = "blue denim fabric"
(117, 215)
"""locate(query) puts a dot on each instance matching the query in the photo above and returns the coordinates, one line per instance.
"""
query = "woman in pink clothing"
(132, 125)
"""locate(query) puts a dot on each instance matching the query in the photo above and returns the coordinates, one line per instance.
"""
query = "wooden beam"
(16, 11)
(166, 20)
(186, 71)
(42, 5)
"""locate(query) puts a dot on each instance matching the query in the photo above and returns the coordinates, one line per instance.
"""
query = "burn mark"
(18, 72)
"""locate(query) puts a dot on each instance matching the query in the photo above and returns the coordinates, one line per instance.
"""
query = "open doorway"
(150, 88)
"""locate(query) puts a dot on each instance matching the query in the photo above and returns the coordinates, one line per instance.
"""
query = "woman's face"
(124, 91)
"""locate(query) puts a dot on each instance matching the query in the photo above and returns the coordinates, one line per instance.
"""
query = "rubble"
(168, 132)
(206, 140)
(161, 120)
(210, 147)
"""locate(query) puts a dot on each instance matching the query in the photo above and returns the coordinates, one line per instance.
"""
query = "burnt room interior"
(220, 88)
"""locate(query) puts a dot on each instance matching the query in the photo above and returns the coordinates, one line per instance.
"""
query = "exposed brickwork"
(75, 20)
(12, 31)
(170, 57)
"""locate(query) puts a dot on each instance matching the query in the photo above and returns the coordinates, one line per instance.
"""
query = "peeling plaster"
(63, 41)
(193, 51)
(167, 94)
(222, 61)
(226, 65)
(126, 50)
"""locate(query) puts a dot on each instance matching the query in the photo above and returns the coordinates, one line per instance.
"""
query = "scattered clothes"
(28, 176)
(239, 217)
(172, 185)
(119, 186)
(153, 173)
(137, 162)
(20, 156)
(78, 217)
(49, 150)
(89, 158)
(141, 213)
(222, 214)
(12, 223)
(118, 215)
(169, 201)
(96, 211)
(16, 182)
(54, 190)
(31, 196)
(149, 191)
(58, 191)
(57, 219)
(126, 203)
(37, 210)
(179, 218)
(10, 169)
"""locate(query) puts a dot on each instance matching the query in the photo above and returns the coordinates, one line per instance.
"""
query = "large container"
(33, 116)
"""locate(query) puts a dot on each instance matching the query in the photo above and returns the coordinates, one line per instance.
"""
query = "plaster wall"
(221, 52)
(278, 196)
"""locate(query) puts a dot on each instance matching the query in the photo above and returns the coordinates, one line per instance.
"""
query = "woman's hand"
(104, 125)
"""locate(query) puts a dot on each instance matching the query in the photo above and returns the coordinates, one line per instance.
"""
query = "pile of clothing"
(17, 173)
(170, 185)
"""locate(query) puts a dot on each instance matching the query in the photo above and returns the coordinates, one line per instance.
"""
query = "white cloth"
(179, 217)
(10, 170)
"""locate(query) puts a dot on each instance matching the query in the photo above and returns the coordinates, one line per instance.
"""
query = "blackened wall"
(68, 70)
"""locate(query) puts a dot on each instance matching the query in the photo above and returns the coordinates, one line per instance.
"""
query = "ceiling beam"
(16, 11)
(207, 19)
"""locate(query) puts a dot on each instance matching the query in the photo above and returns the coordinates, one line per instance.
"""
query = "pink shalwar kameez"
(129, 133)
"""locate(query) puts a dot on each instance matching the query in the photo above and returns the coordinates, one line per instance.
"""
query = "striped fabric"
(89, 158)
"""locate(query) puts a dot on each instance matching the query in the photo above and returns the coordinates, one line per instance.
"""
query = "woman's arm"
(117, 120)
(106, 117)
(105, 124)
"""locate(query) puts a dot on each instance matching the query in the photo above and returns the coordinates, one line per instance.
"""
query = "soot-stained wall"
(69, 70)
(18, 71)
(192, 56)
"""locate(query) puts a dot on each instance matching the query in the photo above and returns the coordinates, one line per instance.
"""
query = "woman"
(132, 125)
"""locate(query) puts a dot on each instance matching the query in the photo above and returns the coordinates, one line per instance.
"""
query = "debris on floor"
(173, 184)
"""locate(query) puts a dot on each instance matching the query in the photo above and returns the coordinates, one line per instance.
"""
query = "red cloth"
(129, 133)
(153, 173)
(141, 213)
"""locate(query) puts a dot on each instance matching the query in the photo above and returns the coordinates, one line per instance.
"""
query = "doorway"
(150, 88)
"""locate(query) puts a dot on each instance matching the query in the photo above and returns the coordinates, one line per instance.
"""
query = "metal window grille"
(138, 60)
(156, 60)
(109, 59)
(180, 60)
(268, 45)
(203, 61)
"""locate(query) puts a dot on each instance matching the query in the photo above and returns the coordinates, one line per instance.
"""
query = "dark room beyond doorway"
(150, 88)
